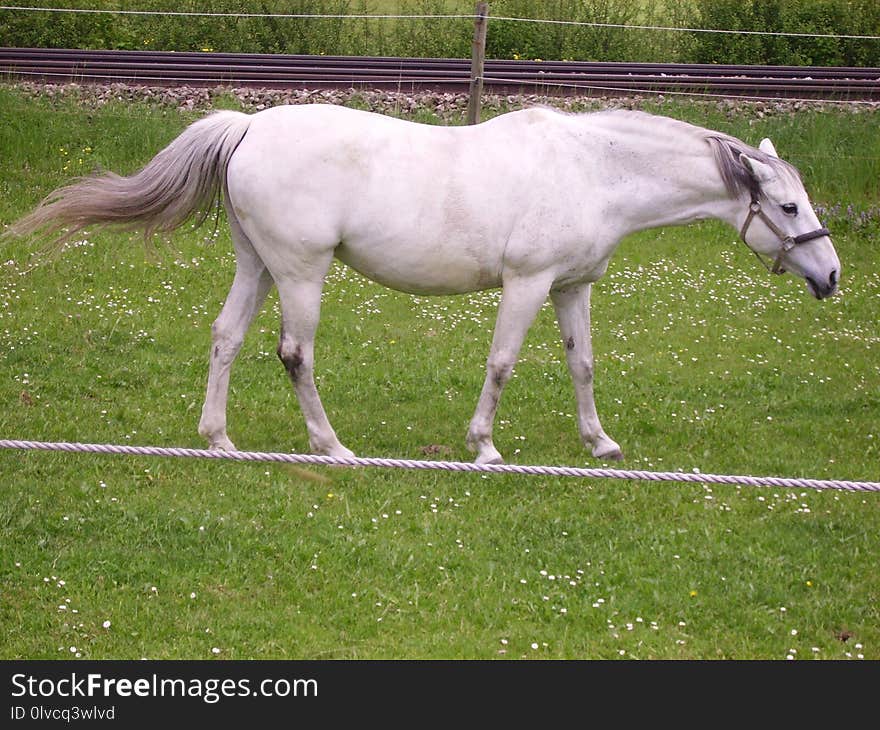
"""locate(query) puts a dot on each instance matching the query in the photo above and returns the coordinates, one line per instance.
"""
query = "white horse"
(533, 201)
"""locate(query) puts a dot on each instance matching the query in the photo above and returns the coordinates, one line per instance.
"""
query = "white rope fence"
(452, 466)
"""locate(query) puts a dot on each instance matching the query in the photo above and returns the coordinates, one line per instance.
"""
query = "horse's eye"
(789, 209)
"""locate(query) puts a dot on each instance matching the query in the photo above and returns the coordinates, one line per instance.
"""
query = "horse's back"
(319, 134)
(417, 207)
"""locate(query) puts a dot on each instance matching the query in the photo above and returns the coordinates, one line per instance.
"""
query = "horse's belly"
(419, 270)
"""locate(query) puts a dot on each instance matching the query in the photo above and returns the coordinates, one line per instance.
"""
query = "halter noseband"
(788, 241)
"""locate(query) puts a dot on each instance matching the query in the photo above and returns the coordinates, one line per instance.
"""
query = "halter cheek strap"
(788, 241)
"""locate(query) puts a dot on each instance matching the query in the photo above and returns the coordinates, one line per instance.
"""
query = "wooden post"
(477, 62)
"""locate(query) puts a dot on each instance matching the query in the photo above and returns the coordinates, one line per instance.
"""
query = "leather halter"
(788, 241)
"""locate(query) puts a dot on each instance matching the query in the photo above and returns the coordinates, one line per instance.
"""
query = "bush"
(834, 17)
(452, 38)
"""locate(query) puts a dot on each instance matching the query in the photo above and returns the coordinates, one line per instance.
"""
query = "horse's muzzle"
(823, 290)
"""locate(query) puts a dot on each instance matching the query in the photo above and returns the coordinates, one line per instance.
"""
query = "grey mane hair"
(726, 150)
(737, 178)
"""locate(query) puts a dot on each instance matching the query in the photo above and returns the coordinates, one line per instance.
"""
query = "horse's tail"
(182, 180)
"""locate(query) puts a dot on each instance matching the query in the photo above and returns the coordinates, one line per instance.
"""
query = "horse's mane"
(726, 150)
(736, 176)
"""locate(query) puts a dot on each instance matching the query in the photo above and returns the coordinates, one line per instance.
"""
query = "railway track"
(411, 74)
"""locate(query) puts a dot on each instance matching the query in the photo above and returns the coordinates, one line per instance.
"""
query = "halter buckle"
(788, 241)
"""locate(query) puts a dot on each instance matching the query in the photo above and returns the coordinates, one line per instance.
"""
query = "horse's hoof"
(607, 450)
(491, 459)
(341, 453)
(223, 445)
(332, 448)
(615, 455)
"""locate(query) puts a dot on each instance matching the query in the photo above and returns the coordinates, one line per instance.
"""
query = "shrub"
(858, 17)
(599, 41)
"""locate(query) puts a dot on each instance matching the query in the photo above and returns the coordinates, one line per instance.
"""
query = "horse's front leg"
(520, 302)
(573, 314)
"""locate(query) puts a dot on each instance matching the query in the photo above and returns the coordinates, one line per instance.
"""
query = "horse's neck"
(662, 174)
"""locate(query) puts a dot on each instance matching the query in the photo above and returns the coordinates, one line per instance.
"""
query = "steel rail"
(500, 76)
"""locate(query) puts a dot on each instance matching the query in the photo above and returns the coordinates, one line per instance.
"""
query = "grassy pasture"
(703, 362)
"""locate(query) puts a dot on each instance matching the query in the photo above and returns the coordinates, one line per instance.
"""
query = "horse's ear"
(760, 171)
(767, 148)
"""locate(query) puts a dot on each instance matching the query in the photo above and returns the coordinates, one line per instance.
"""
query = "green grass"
(704, 362)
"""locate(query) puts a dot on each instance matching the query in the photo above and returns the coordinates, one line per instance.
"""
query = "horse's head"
(780, 223)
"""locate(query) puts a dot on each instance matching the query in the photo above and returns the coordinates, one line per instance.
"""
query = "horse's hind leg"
(300, 310)
(249, 289)
(573, 314)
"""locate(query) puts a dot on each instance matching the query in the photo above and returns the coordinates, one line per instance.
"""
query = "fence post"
(478, 59)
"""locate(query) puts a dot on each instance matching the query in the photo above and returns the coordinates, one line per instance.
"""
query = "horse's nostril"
(832, 280)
